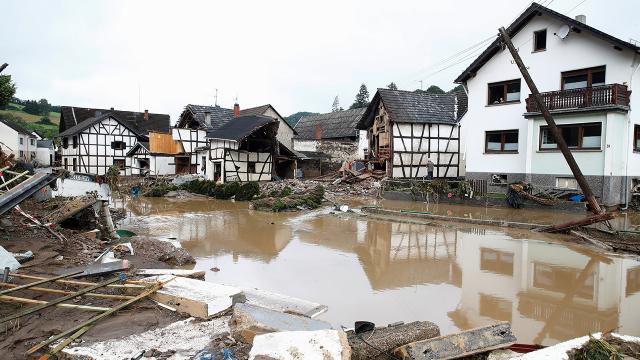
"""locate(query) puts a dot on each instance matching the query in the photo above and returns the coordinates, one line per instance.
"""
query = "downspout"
(629, 129)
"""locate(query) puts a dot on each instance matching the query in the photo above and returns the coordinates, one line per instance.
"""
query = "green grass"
(53, 116)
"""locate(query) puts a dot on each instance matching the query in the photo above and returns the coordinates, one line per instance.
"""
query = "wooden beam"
(58, 291)
(127, 285)
(40, 282)
(94, 319)
(21, 300)
(576, 223)
(37, 308)
(557, 135)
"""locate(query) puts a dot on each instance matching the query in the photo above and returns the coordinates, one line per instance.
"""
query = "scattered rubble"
(371, 343)
(311, 345)
(288, 200)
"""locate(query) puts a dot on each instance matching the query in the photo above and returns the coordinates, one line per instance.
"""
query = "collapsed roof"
(241, 127)
(333, 125)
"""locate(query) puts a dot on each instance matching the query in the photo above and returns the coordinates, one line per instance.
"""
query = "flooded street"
(458, 276)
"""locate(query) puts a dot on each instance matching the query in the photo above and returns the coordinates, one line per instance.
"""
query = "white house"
(45, 153)
(586, 78)
(17, 140)
(406, 128)
(94, 139)
(243, 149)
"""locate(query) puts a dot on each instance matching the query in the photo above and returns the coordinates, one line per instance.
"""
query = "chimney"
(582, 19)
(236, 110)
(318, 132)
(146, 115)
(207, 119)
(111, 109)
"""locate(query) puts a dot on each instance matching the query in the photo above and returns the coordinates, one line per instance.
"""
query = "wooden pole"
(5, 184)
(3, 66)
(7, 298)
(94, 319)
(40, 282)
(562, 145)
(127, 285)
(37, 308)
(65, 292)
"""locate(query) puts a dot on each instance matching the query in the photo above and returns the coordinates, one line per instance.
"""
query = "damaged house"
(406, 128)
(326, 141)
(92, 140)
(242, 149)
(197, 121)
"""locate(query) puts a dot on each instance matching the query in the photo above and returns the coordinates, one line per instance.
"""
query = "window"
(583, 78)
(75, 142)
(251, 167)
(577, 136)
(504, 141)
(32, 142)
(75, 164)
(118, 145)
(21, 141)
(21, 153)
(66, 164)
(120, 163)
(540, 40)
(636, 138)
(65, 143)
(566, 183)
(504, 92)
(496, 261)
(499, 179)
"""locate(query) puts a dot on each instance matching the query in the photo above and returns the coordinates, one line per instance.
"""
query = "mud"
(457, 276)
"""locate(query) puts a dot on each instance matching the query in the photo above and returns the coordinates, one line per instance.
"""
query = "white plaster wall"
(162, 165)
(577, 51)
(43, 156)
(8, 139)
(305, 145)
(285, 132)
(363, 144)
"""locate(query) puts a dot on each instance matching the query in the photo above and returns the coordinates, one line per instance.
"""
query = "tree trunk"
(389, 338)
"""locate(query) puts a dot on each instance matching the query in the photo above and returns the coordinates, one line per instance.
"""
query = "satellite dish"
(563, 32)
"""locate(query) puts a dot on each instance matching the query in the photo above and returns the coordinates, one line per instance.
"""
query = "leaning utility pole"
(562, 145)
(3, 66)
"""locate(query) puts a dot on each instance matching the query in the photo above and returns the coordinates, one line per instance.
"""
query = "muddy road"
(457, 276)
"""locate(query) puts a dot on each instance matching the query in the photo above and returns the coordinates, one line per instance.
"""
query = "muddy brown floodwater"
(457, 276)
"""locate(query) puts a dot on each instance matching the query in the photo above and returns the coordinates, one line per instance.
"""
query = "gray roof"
(220, 115)
(94, 120)
(45, 143)
(339, 124)
(416, 107)
(71, 116)
(241, 127)
(16, 127)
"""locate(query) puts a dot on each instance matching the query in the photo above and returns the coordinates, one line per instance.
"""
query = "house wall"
(162, 164)
(191, 139)
(363, 144)
(414, 144)
(236, 164)
(8, 139)
(545, 68)
(285, 132)
(338, 150)
(93, 153)
(44, 156)
(28, 147)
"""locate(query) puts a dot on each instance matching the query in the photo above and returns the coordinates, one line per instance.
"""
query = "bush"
(248, 191)
(286, 191)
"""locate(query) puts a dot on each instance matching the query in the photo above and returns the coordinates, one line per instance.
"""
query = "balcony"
(604, 97)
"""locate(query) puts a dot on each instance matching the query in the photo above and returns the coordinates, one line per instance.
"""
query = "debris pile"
(289, 199)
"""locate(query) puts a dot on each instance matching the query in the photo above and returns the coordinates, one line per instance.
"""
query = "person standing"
(430, 166)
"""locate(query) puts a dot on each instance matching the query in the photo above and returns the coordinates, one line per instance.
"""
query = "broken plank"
(197, 298)
(39, 282)
(127, 285)
(69, 209)
(462, 344)
(58, 291)
(194, 274)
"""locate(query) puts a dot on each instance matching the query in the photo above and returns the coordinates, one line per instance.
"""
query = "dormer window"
(540, 40)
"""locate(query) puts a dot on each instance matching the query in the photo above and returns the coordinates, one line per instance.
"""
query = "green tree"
(31, 107)
(434, 89)
(392, 86)
(362, 98)
(7, 90)
(456, 89)
(44, 107)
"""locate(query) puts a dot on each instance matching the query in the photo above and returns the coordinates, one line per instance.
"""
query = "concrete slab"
(197, 298)
(248, 321)
(308, 345)
(462, 344)
(185, 337)
(283, 303)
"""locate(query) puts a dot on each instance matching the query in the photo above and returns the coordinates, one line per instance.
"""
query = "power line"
(575, 7)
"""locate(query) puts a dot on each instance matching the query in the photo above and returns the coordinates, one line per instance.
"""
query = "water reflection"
(458, 277)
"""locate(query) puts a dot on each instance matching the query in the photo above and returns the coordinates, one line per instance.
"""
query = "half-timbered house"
(211, 118)
(95, 139)
(243, 149)
(405, 129)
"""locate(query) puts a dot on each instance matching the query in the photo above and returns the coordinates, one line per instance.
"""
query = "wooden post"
(562, 145)
(3, 66)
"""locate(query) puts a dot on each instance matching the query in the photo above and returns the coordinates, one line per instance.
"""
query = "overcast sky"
(296, 55)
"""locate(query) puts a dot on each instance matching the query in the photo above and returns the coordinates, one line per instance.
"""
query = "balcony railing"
(612, 95)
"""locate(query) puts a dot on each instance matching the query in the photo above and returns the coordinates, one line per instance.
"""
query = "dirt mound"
(158, 250)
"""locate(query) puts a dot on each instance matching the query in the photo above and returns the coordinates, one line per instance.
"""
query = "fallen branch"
(577, 223)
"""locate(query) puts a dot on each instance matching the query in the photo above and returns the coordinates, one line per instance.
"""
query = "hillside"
(14, 112)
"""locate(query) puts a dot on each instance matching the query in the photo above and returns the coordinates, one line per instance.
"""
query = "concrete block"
(308, 345)
(197, 298)
(283, 303)
(248, 321)
(462, 344)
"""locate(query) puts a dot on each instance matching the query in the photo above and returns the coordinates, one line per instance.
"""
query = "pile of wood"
(349, 176)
